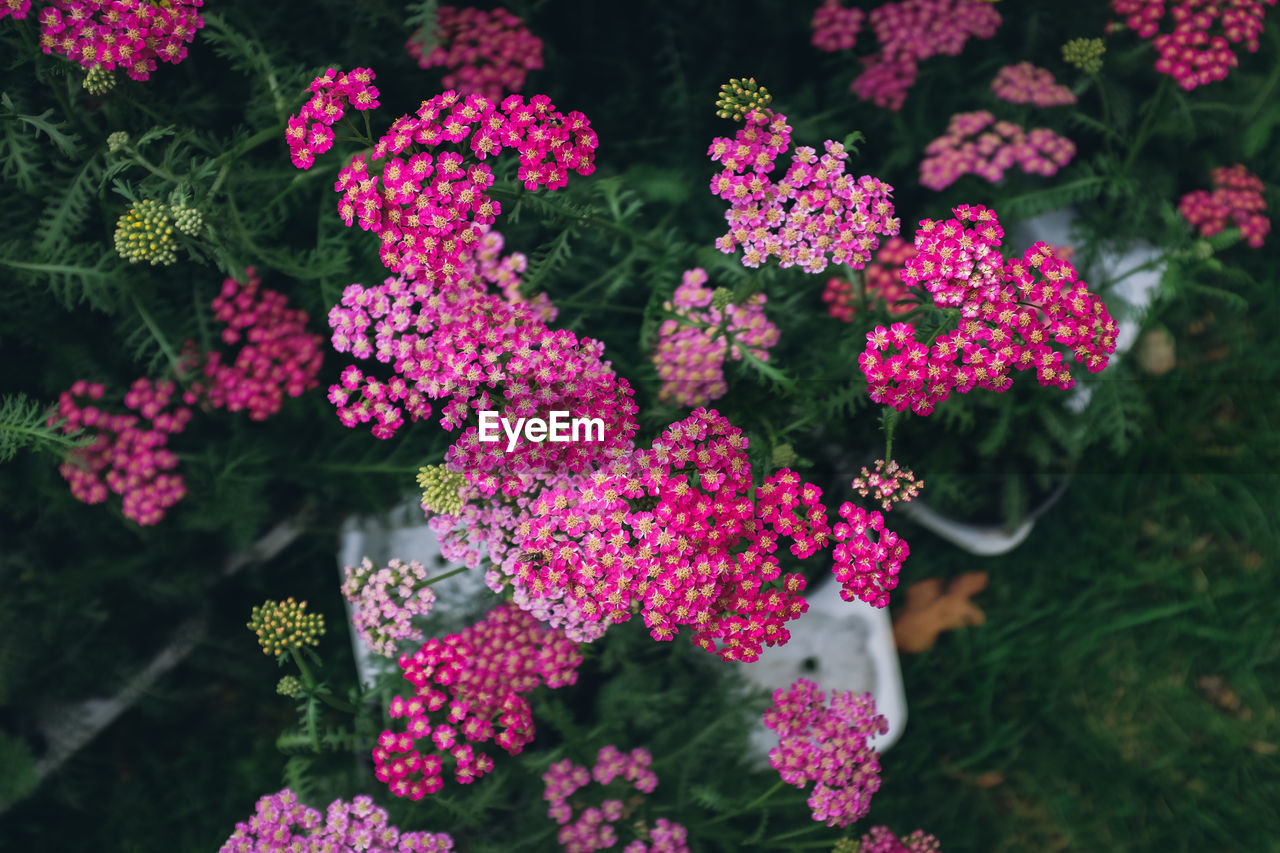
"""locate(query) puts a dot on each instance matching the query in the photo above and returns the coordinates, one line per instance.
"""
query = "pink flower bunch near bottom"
(883, 282)
(476, 678)
(125, 458)
(131, 34)
(969, 148)
(594, 827)
(1237, 199)
(280, 822)
(488, 52)
(690, 358)
(829, 745)
(278, 356)
(385, 601)
(1024, 83)
(1198, 50)
(881, 840)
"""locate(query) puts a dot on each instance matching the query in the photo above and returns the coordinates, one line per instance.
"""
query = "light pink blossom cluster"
(815, 215)
(126, 458)
(970, 148)
(385, 601)
(278, 357)
(1198, 50)
(130, 34)
(1024, 83)
(1011, 312)
(883, 282)
(594, 828)
(910, 32)
(310, 132)
(503, 272)
(427, 208)
(881, 840)
(280, 822)
(466, 686)
(1237, 199)
(835, 27)
(889, 483)
(691, 351)
(829, 745)
(670, 531)
(489, 52)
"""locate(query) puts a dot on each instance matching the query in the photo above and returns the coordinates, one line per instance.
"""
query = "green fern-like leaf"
(1032, 204)
(25, 423)
(66, 212)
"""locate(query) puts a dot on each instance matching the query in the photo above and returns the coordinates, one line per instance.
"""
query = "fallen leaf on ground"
(930, 611)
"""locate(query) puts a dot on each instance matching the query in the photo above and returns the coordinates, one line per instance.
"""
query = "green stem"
(308, 680)
(1106, 110)
(153, 168)
(758, 801)
(447, 574)
(1144, 130)
(890, 424)
(165, 347)
(249, 144)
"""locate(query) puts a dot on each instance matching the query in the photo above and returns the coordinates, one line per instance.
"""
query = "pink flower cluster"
(815, 215)
(881, 840)
(1011, 311)
(471, 682)
(835, 27)
(427, 209)
(889, 483)
(281, 822)
(385, 601)
(1024, 83)
(1190, 53)
(671, 531)
(129, 34)
(125, 458)
(17, 9)
(594, 828)
(912, 31)
(310, 132)
(867, 568)
(490, 52)
(969, 148)
(829, 745)
(691, 351)
(883, 282)
(1237, 197)
(279, 355)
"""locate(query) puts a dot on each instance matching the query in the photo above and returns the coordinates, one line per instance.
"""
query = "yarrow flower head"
(16, 9)
(835, 27)
(131, 34)
(289, 686)
(117, 140)
(466, 686)
(691, 351)
(888, 483)
(145, 233)
(186, 219)
(281, 822)
(1024, 83)
(1198, 50)
(740, 97)
(881, 840)
(1237, 199)
(815, 215)
(882, 279)
(441, 489)
(385, 601)
(594, 827)
(487, 52)
(125, 458)
(829, 745)
(1085, 54)
(98, 81)
(976, 144)
(285, 625)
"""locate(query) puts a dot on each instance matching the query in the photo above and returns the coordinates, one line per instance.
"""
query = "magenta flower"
(1237, 199)
(488, 52)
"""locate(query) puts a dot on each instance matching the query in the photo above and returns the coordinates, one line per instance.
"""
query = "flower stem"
(447, 574)
(758, 801)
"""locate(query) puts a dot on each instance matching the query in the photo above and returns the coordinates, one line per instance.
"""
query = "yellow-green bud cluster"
(721, 298)
(784, 456)
(99, 81)
(145, 233)
(441, 489)
(188, 220)
(289, 686)
(739, 98)
(117, 140)
(1085, 54)
(1202, 250)
(846, 845)
(284, 625)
